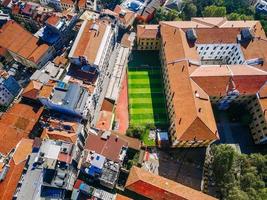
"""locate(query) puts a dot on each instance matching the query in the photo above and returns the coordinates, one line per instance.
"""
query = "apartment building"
(54, 3)
(53, 166)
(31, 14)
(57, 31)
(64, 4)
(209, 61)
(148, 37)
(9, 89)
(89, 59)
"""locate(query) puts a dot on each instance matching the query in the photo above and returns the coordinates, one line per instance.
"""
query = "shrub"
(135, 131)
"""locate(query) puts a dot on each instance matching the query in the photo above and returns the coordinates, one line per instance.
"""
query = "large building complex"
(209, 61)
(89, 59)
(29, 51)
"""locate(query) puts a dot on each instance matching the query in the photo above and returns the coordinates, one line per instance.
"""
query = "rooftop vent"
(106, 135)
(247, 34)
(191, 35)
(94, 27)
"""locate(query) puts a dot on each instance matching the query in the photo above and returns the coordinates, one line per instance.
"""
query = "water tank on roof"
(191, 35)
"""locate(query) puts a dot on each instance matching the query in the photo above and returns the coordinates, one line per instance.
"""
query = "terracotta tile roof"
(127, 18)
(188, 115)
(88, 41)
(70, 2)
(107, 105)
(9, 184)
(22, 151)
(53, 132)
(59, 135)
(104, 120)
(132, 142)
(53, 20)
(125, 41)
(64, 158)
(227, 35)
(109, 148)
(32, 90)
(263, 91)
(38, 53)
(46, 89)
(215, 80)
(122, 197)
(28, 46)
(60, 60)
(158, 188)
(256, 49)
(15, 125)
(192, 85)
(147, 31)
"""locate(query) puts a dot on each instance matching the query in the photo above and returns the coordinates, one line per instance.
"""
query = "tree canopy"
(239, 176)
(214, 11)
(165, 15)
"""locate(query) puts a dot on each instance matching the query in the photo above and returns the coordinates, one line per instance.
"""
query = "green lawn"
(146, 96)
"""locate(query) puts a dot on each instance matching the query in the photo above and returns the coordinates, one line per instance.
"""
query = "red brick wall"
(153, 192)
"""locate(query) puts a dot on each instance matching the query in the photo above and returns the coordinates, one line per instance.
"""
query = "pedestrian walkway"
(121, 111)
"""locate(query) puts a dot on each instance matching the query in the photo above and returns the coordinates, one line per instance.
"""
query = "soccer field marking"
(145, 93)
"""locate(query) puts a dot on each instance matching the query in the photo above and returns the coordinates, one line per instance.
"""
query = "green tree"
(239, 176)
(190, 10)
(165, 15)
(214, 11)
(135, 131)
(235, 193)
(236, 16)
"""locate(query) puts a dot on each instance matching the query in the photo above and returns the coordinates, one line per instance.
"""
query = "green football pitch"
(146, 96)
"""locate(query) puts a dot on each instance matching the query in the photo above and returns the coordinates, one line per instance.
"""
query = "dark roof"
(12, 85)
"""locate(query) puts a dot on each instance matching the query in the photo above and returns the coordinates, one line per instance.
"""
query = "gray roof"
(40, 76)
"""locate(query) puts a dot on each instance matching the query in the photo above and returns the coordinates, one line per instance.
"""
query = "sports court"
(146, 96)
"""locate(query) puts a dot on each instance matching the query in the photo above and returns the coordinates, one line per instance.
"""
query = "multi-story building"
(209, 61)
(28, 51)
(64, 130)
(52, 167)
(54, 3)
(12, 167)
(89, 59)
(65, 4)
(33, 15)
(144, 9)
(57, 31)
(67, 99)
(102, 158)
(9, 89)
(148, 37)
